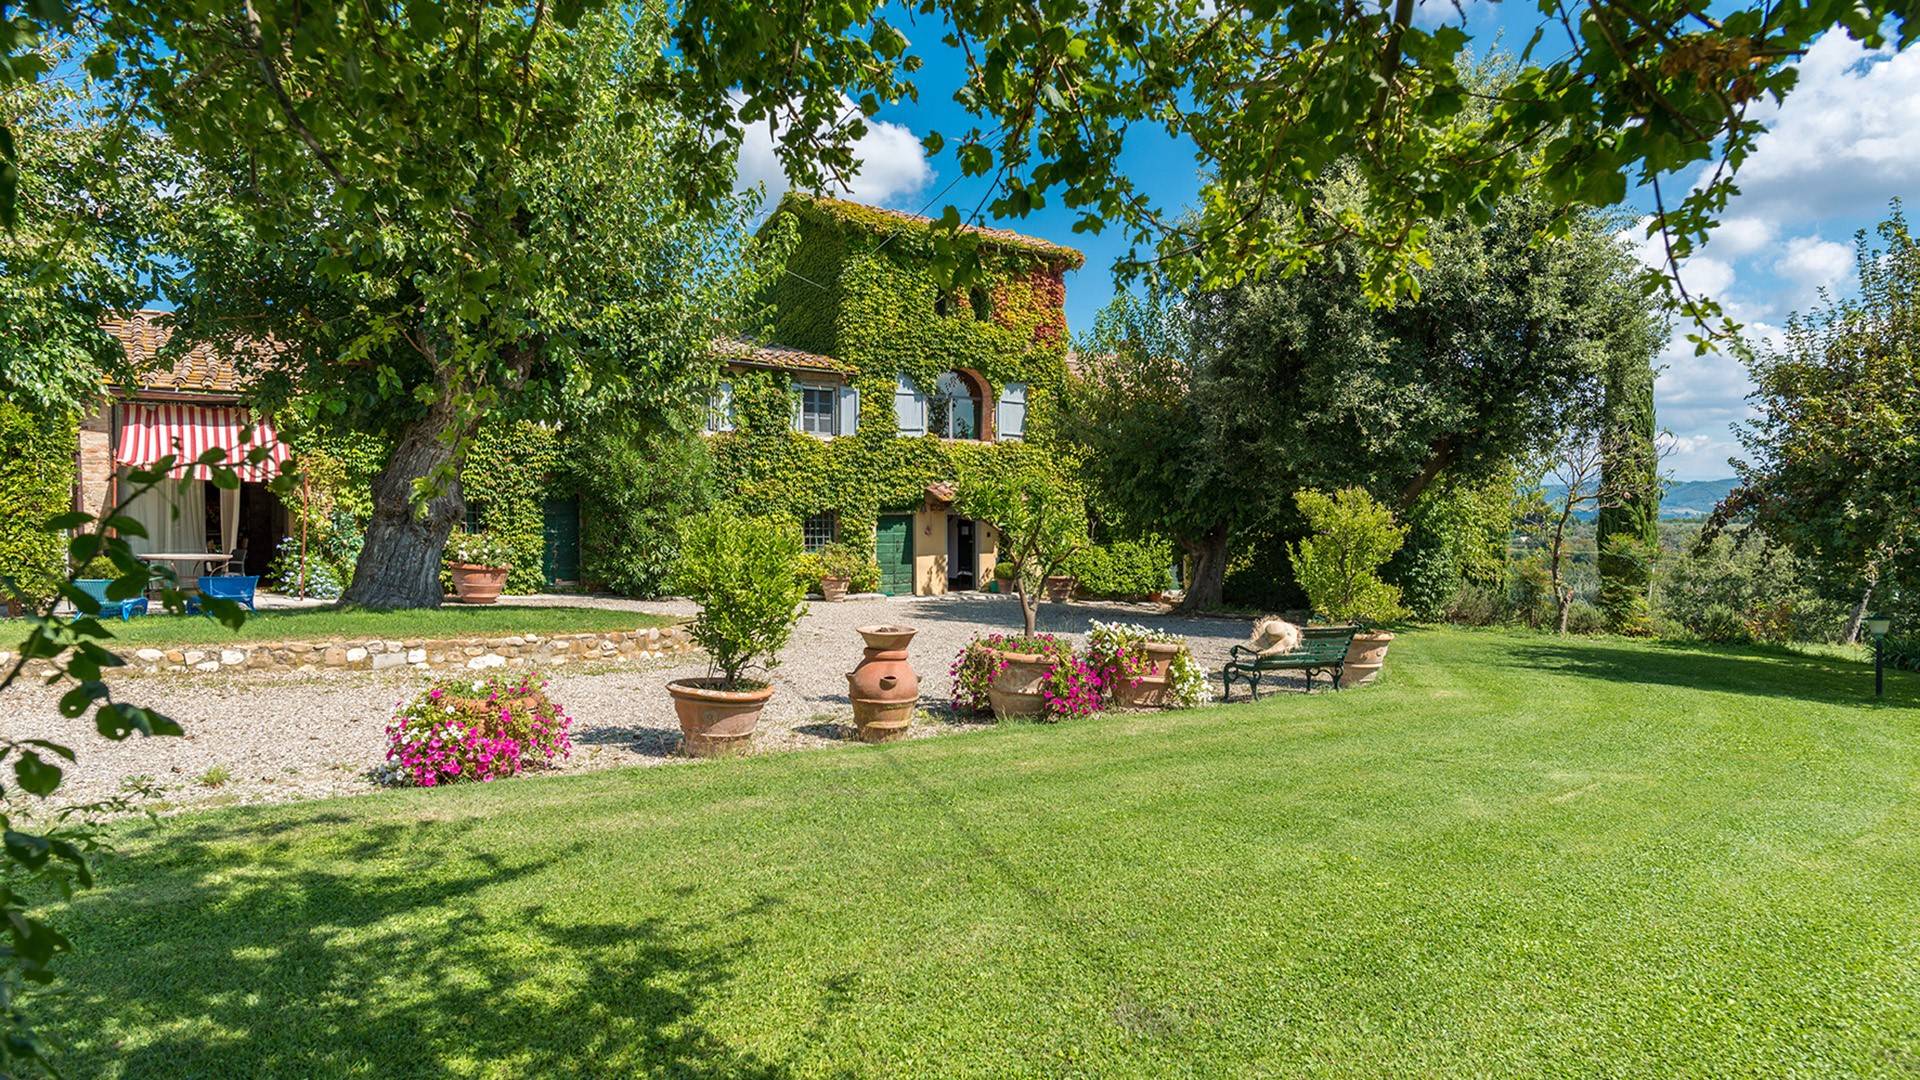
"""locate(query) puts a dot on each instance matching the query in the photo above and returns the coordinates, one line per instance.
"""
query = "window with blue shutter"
(720, 408)
(909, 408)
(1010, 421)
(849, 418)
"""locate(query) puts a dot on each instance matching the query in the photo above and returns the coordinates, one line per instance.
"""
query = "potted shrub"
(839, 566)
(1338, 566)
(741, 571)
(479, 563)
(1003, 577)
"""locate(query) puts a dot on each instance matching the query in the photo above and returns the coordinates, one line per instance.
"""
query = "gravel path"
(307, 736)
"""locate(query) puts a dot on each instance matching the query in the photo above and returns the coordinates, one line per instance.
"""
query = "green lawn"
(1516, 856)
(315, 624)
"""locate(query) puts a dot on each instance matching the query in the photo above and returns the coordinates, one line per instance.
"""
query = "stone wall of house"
(542, 651)
(95, 477)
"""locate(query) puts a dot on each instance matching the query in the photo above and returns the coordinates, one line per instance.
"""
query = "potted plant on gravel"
(1339, 569)
(1003, 578)
(741, 571)
(479, 563)
(1143, 668)
(839, 566)
(1023, 676)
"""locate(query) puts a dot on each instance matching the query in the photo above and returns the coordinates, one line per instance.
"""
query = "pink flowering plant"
(1118, 652)
(476, 729)
(1072, 688)
(1072, 685)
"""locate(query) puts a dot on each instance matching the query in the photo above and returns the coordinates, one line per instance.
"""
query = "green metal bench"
(1323, 649)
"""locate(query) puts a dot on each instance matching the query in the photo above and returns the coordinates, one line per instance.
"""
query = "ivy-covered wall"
(860, 288)
(509, 473)
(36, 482)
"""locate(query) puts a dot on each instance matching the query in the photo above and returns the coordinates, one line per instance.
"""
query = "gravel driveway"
(273, 738)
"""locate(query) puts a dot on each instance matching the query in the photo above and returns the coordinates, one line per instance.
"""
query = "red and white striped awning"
(151, 432)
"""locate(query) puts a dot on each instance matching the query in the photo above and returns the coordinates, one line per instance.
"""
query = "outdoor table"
(184, 571)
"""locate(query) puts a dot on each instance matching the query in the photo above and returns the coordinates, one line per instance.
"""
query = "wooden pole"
(306, 506)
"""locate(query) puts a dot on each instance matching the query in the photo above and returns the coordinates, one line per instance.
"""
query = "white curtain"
(175, 516)
(230, 521)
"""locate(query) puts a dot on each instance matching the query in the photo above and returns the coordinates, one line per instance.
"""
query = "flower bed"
(475, 729)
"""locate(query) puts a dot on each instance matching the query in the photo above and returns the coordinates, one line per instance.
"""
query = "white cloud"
(1741, 236)
(1700, 398)
(1815, 263)
(892, 164)
(1844, 139)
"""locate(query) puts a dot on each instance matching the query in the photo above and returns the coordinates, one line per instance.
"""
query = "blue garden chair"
(238, 587)
(126, 609)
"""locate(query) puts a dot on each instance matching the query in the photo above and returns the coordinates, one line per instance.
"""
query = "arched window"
(956, 407)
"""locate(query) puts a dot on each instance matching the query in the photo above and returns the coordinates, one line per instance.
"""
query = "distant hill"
(1684, 500)
(1694, 498)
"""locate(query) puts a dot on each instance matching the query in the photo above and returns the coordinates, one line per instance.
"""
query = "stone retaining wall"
(449, 654)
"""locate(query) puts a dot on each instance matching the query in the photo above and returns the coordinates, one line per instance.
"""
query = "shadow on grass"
(1725, 669)
(386, 958)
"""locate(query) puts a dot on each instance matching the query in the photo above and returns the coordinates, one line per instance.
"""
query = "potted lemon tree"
(1338, 566)
(743, 574)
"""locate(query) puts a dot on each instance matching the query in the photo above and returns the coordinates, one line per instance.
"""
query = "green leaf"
(36, 777)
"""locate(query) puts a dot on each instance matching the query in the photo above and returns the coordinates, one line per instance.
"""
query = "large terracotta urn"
(1015, 690)
(716, 722)
(1154, 690)
(476, 584)
(1365, 657)
(1059, 588)
(883, 687)
(834, 589)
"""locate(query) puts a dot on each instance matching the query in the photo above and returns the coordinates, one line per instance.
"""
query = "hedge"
(37, 454)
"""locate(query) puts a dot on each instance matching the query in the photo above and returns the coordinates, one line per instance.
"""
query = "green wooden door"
(560, 553)
(893, 547)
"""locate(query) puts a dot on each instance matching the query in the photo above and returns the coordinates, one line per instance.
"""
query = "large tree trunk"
(399, 565)
(1206, 585)
(1858, 617)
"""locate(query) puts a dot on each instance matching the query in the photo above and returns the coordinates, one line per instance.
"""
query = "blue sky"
(1842, 146)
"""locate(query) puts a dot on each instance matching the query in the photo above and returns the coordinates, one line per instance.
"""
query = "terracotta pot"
(476, 584)
(883, 687)
(1003, 585)
(1365, 657)
(1154, 690)
(1015, 691)
(1059, 588)
(715, 722)
(834, 589)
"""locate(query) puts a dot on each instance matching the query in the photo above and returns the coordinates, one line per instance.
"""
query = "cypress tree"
(1628, 534)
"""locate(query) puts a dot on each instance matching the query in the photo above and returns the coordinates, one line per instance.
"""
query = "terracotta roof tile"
(781, 357)
(199, 370)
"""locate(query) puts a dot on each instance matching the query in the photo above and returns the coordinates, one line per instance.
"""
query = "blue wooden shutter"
(848, 420)
(909, 407)
(721, 409)
(1010, 418)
